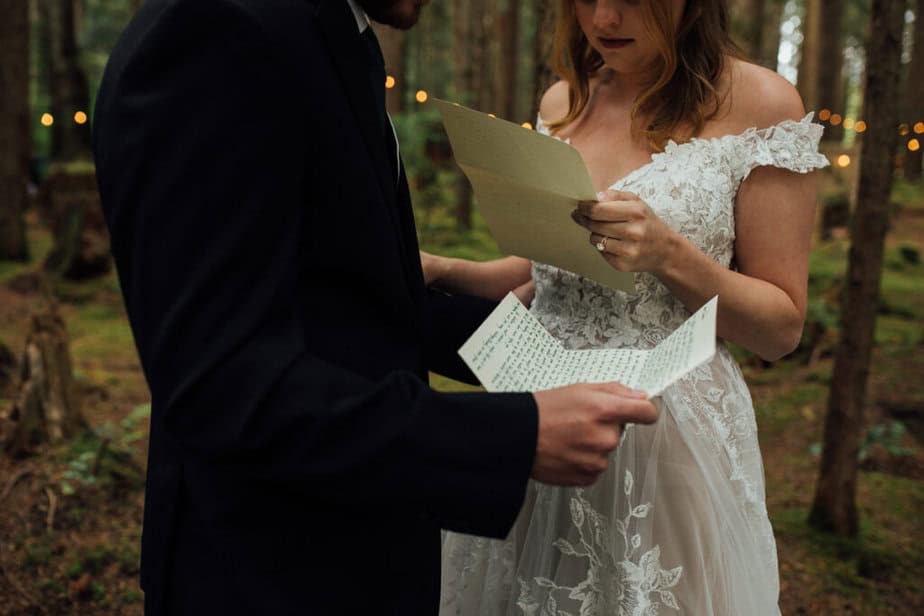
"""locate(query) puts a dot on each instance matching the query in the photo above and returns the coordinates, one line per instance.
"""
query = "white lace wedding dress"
(678, 523)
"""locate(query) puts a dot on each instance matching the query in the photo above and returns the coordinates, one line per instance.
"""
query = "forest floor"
(69, 539)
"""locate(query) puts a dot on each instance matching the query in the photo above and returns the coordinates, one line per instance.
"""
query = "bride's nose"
(608, 13)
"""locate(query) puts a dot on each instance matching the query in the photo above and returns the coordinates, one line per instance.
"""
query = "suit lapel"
(348, 55)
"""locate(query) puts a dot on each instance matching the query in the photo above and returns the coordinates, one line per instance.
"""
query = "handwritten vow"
(512, 351)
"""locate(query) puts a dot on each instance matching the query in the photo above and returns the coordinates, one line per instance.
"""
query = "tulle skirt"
(677, 524)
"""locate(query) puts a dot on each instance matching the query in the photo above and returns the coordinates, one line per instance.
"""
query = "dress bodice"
(692, 186)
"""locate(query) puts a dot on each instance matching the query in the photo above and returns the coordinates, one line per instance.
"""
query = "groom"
(263, 233)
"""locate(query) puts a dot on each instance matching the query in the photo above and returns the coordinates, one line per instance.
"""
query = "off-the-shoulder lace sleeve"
(788, 145)
(540, 125)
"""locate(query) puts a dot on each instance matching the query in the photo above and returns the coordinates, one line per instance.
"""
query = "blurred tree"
(770, 35)
(914, 92)
(14, 127)
(508, 57)
(747, 26)
(835, 507)
(68, 88)
(546, 12)
(393, 48)
(821, 80)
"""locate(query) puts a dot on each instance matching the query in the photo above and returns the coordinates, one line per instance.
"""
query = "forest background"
(841, 419)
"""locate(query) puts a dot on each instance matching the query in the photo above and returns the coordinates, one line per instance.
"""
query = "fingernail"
(638, 393)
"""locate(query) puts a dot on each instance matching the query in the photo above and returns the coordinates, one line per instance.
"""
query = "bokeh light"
(80, 117)
(824, 114)
(843, 160)
(389, 82)
(861, 126)
(914, 145)
(527, 125)
(835, 119)
(47, 119)
(421, 96)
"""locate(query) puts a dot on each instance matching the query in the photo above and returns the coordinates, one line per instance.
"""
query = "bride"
(703, 162)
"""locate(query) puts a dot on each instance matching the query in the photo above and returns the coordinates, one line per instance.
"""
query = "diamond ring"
(601, 245)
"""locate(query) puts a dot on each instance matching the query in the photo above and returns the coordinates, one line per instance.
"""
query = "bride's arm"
(488, 279)
(762, 304)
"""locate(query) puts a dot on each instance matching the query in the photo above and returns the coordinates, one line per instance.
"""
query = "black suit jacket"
(299, 463)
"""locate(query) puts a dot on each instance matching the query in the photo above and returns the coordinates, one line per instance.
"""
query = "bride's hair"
(685, 93)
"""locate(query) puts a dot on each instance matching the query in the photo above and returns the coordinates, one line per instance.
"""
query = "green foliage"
(888, 436)
(105, 454)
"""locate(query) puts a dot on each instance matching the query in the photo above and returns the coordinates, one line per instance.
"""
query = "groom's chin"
(400, 14)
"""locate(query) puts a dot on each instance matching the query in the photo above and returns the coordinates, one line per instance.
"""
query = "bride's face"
(401, 14)
(616, 29)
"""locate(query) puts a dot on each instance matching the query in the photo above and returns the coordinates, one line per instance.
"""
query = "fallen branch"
(52, 505)
(12, 482)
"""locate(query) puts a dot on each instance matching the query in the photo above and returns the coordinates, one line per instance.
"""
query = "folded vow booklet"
(512, 351)
(527, 184)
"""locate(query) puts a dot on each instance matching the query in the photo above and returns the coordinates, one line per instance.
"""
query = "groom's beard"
(401, 14)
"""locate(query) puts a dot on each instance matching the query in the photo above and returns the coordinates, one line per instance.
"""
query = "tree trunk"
(914, 94)
(47, 409)
(14, 127)
(807, 80)
(770, 37)
(68, 88)
(508, 36)
(835, 507)
(543, 75)
(747, 26)
(393, 44)
(830, 88)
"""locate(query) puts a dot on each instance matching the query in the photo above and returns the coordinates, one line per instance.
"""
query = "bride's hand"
(632, 237)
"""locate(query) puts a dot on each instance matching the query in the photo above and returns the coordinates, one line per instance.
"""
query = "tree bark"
(393, 45)
(770, 37)
(747, 26)
(464, 15)
(807, 81)
(914, 94)
(68, 88)
(47, 409)
(543, 76)
(830, 89)
(14, 127)
(508, 60)
(835, 507)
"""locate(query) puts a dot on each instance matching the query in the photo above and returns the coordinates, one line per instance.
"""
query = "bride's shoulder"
(759, 97)
(756, 97)
(554, 103)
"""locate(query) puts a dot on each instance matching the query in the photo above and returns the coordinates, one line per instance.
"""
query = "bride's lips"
(614, 43)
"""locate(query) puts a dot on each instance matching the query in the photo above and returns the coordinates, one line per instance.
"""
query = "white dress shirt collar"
(362, 20)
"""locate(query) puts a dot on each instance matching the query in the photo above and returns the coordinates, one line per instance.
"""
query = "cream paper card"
(527, 184)
(512, 351)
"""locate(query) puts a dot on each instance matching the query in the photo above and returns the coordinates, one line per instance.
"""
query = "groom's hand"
(579, 425)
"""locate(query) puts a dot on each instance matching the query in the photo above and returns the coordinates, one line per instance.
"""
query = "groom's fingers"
(620, 410)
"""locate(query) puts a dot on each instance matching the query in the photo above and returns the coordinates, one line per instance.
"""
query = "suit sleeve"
(201, 172)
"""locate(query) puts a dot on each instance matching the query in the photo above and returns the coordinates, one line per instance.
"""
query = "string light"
(903, 129)
(824, 114)
(527, 125)
(491, 115)
(848, 123)
(389, 82)
(860, 126)
(914, 145)
(919, 128)
(421, 96)
(835, 119)
(843, 160)
(47, 119)
(80, 117)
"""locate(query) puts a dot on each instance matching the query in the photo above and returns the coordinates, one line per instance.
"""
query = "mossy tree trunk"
(835, 506)
(47, 407)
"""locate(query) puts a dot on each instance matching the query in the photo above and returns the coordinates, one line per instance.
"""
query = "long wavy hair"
(684, 94)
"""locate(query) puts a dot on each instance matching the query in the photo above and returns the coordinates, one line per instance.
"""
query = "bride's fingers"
(613, 211)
